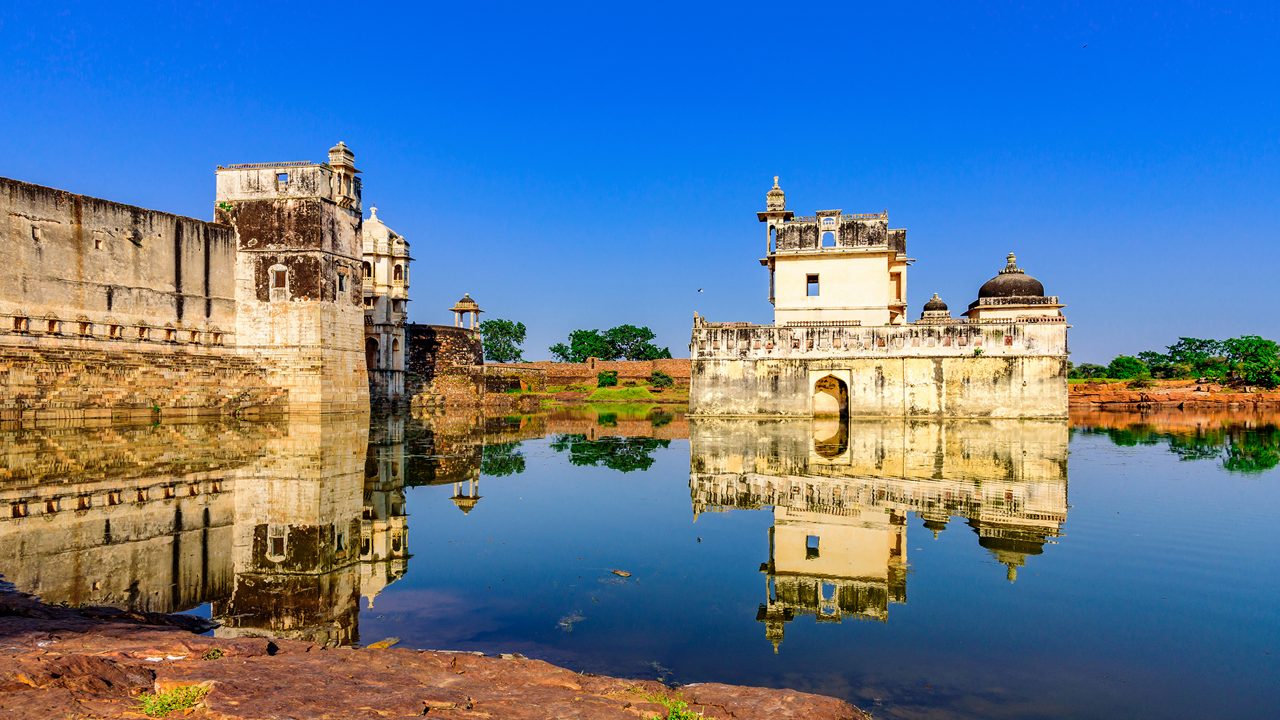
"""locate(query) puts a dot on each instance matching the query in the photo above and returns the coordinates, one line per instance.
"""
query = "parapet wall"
(110, 273)
(960, 369)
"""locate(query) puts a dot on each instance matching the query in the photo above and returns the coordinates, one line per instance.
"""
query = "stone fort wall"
(110, 311)
(959, 369)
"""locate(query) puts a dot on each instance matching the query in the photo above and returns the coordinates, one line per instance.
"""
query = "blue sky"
(585, 165)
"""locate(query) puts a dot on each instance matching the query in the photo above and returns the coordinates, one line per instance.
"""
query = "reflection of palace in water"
(841, 493)
(280, 526)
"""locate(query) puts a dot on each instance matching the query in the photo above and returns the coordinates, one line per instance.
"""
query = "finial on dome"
(373, 212)
(1011, 264)
(775, 181)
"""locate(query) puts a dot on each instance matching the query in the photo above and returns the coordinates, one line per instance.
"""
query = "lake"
(1118, 565)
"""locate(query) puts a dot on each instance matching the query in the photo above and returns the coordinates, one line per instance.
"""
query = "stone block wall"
(110, 273)
(45, 384)
(443, 366)
(975, 370)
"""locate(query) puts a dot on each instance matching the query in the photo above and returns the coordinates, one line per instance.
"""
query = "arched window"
(395, 354)
(398, 273)
(368, 270)
(828, 238)
(371, 353)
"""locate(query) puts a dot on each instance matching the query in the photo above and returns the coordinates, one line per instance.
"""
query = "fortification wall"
(104, 384)
(975, 370)
(443, 366)
(108, 273)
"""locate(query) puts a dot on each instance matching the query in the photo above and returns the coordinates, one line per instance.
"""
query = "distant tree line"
(1245, 360)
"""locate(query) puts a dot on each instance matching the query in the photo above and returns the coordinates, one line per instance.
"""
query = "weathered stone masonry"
(981, 369)
(109, 310)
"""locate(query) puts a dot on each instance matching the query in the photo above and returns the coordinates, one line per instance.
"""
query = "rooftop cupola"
(935, 310)
(775, 199)
(341, 156)
(462, 308)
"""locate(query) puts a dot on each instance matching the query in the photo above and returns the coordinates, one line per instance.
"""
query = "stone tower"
(834, 266)
(299, 305)
(386, 296)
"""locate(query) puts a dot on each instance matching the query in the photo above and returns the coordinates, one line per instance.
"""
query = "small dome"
(1011, 282)
(935, 304)
(466, 303)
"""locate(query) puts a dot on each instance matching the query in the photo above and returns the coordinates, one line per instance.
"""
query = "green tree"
(660, 379)
(502, 340)
(607, 378)
(624, 342)
(1127, 367)
(1202, 358)
(583, 344)
(1253, 360)
(629, 342)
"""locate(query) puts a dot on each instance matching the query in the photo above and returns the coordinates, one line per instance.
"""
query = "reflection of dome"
(465, 503)
(935, 304)
(1011, 282)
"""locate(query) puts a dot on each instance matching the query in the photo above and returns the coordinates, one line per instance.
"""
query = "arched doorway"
(830, 397)
(371, 353)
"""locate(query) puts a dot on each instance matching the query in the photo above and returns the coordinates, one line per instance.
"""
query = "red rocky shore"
(87, 663)
(1169, 394)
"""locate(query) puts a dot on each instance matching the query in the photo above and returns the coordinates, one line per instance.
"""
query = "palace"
(841, 343)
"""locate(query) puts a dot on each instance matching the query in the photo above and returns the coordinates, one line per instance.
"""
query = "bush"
(660, 379)
(607, 378)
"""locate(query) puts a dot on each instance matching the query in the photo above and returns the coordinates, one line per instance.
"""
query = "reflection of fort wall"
(296, 540)
(135, 517)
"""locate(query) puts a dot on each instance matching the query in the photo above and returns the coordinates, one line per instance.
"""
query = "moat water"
(1119, 565)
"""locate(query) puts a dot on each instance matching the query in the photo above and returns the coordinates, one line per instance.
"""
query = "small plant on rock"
(171, 700)
(607, 378)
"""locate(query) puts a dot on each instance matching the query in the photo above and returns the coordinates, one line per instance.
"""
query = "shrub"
(172, 700)
(1127, 367)
(660, 379)
(607, 378)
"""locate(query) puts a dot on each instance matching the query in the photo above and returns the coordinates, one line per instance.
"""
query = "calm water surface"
(1117, 566)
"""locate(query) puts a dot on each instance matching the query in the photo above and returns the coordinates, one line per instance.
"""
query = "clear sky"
(585, 165)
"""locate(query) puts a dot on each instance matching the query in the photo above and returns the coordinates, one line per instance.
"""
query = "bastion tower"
(298, 276)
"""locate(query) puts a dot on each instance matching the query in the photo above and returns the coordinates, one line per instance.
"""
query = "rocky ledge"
(60, 662)
(1168, 393)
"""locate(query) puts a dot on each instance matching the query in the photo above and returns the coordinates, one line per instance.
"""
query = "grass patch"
(677, 709)
(620, 394)
(172, 700)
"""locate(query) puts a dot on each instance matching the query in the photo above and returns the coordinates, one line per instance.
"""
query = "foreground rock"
(93, 663)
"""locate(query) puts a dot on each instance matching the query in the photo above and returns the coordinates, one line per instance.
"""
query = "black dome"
(1011, 282)
(935, 304)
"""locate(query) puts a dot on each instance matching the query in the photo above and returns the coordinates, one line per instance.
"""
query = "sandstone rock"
(63, 662)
